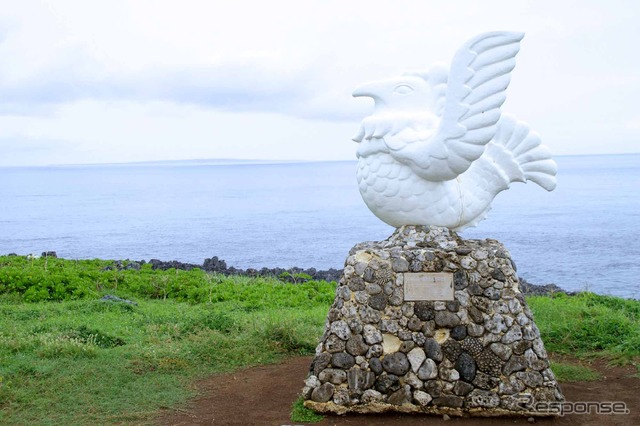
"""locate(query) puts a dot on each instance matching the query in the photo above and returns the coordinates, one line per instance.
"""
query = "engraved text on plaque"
(428, 286)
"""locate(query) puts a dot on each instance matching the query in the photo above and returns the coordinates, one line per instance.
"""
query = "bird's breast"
(398, 196)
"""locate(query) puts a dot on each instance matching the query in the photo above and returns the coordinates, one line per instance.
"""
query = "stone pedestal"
(426, 322)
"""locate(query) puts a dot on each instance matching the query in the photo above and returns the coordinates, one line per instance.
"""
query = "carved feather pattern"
(438, 150)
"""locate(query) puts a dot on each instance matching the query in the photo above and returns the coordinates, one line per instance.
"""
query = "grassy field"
(67, 357)
(588, 325)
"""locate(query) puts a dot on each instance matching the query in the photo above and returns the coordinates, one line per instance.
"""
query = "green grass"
(51, 279)
(68, 358)
(565, 372)
(301, 414)
(589, 325)
(83, 362)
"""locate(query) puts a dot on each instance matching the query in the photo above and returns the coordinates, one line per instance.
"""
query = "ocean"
(585, 235)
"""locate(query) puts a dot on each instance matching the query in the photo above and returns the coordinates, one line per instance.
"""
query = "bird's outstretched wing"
(479, 76)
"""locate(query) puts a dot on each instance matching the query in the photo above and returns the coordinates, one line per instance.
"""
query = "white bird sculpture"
(437, 149)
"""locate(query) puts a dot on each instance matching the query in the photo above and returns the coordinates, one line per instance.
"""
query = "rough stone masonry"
(478, 353)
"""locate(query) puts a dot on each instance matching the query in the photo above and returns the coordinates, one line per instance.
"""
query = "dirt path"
(263, 396)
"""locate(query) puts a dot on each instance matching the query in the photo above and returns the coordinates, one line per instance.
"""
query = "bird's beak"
(367, 89)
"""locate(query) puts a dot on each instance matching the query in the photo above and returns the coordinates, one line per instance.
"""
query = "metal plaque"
(428, 286)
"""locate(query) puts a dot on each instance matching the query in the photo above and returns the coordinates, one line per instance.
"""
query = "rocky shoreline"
(293, 274)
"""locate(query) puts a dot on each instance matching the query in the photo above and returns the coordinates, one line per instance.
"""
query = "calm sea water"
(584, 235)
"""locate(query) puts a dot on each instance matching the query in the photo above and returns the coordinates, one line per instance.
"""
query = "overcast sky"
(118, 81)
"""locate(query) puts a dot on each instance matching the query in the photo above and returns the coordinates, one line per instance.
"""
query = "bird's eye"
(403, 89)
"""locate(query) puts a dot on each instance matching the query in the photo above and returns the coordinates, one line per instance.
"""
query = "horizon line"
(239, 161)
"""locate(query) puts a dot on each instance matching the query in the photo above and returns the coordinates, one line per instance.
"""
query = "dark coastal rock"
(116, 299)
(214, 264)
(529, 289)
(159, 264)
(124, 265)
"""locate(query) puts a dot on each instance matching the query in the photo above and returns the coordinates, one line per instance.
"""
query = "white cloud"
(130, 68)
(108, 132)
(234, 86)
(633, 124)
(241, 84)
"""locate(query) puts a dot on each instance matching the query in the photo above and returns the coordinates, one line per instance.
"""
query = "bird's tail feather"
(531, 157)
